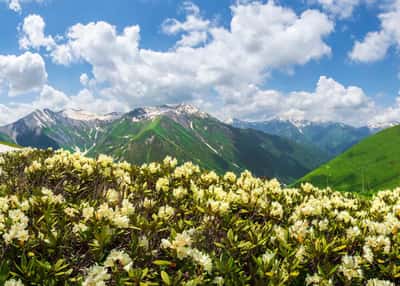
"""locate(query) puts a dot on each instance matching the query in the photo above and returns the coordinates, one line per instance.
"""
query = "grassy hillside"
(373, 164)
(208, 143)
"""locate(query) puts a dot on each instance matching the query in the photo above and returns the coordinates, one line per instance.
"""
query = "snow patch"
(209, 146)
(82, 115)
(147, 113)
(42, 118)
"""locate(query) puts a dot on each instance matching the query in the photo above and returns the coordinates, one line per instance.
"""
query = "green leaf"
(219, 245)
(339, 248)
(162, 262)
(165, 278)
(230, 235)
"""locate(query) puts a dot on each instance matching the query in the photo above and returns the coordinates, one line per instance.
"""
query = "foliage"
(70, 220)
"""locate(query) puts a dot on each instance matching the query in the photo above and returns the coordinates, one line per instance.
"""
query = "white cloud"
(98, 44)
(376, 44)
(32, 34)
(193, 39)
(52, 98)
(195, 29)
(373, 48)
(22, 74)
(331, 101)
(48, 97)
(193, 21)
(11, 112)
(229, 67)
(88, 101)
(261, 38)
(340, 8)
(387, 115)
(84, 79)
(16, 5)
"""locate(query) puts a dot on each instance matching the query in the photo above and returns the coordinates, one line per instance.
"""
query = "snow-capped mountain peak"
(145, 113)
(83, 115)
(187, 108)
(42, 117)
(299, 123)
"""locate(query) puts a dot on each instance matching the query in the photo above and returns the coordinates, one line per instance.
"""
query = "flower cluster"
(182, 245)
(66, 219)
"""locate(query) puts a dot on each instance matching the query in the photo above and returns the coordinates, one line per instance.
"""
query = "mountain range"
(331, 138)
(151, 133)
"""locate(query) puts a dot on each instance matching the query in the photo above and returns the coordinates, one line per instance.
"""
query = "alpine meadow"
(189, 142)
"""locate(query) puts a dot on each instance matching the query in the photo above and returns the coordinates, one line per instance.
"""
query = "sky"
(318, 60)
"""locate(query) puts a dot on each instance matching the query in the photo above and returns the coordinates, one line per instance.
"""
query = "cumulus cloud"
(195, 29)
(32, 34)
(98, 44)
(52, 98)
(193, 22)
(377, 43)
(98, 104)
(261, 37)
(373, 48)
(387, 116)
(330, 101)
(22, 74)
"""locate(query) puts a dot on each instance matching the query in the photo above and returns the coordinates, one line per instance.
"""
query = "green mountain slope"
(207, 142)
(5, 138)
(68, 129)
(371, 165)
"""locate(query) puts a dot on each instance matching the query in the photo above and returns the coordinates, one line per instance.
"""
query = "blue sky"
(357, 84)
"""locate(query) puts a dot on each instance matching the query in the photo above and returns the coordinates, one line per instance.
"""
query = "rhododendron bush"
(70, 220)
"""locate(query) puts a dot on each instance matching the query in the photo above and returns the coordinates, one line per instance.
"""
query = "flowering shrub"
(70, 220)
